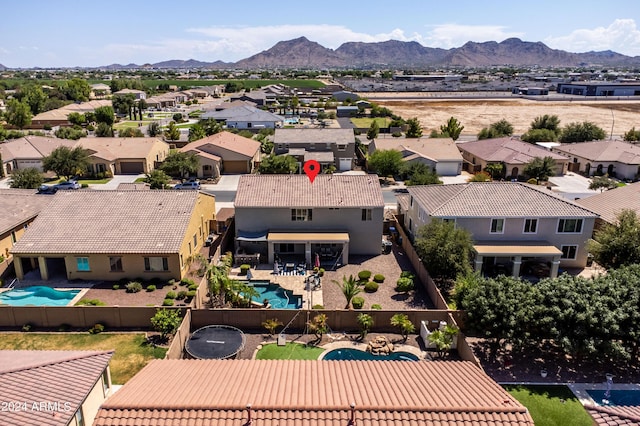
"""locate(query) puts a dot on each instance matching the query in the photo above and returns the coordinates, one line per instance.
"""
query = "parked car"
(187, 185)
(70, 184)
(47, 189)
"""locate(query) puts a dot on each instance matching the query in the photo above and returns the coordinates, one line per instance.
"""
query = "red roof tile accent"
(216, 392)
(60, 377)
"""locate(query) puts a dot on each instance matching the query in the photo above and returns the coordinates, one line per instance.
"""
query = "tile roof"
(227, 141)
(288, 392)
(623, 152)
(20, 205)
(63, 112)
(494, 199)
(507, 150)
(615, 416)
(292, 136)
(31, 147)
(87, 221)
(243, 113)
(297, 191)
(48, 376)
(437, 149)
(120, 148)
(609, 203)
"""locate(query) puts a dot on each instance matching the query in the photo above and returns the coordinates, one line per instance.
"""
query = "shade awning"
(251, 236)
(312, 237)
(516, 248)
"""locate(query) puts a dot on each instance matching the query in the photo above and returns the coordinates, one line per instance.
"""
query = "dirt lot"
(478, 113)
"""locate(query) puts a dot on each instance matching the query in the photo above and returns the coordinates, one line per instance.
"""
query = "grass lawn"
(93, 181)
(131, 350)
(551, 405)
(290, 351)
(366, 122)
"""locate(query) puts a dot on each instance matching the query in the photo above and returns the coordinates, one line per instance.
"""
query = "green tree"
(130, 132)
(385, 162)
(271, 325)
(618, 244)
(33, 96)
(581, 132)
(539, 135)
(66, 162)
(124, 104)
(452, 129)
(349, 288)
(318, 326)
(18, 114)
(76, 118)
(157, 179)
(365, 321)
(278, 164)
(142, 106)
(602, 183)
(211, 126)
(180, 164)
(166, 322)
(415, 173)
(632, 135)
(498, 129)
(547, 122)
(540, 168)
(29, 178)
(414, 129)
(105, 114)
(172, 132)
(496, 170)
(403, 323)
(196, 132)
(443, 339)
(153, 129)
(373, 131)
(104, 130)
(76, 89)
(480, 177)
(70, 133)
(444, 248)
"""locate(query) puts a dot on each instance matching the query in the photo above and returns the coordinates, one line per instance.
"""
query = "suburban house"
(289, 217)
(121, 235)
(615, 158)
(63, 388)
(224, 152)
(18, 209)
(28, 151)
(609, 204)
(514, 225)
(441, 154)
(137, 94)
(329, 147)
(513, 154)
(245, 117)
(99, 90)
(58, 117)
(124, 155)
(314, 393)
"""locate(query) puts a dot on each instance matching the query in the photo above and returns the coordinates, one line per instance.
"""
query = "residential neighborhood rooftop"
(297, 191)
(507, 150)
(609, 204)
(613, 150)
(20, 205)
(437, 149)
(228, 141)
(114, 148)
(32, 147)
(242, 113)
(338, 136)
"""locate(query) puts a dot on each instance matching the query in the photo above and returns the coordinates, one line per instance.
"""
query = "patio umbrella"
(317, 262)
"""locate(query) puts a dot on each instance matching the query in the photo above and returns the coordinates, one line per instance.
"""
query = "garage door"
(345, 164)
(235, 167)
(448, 168)
(131, 167)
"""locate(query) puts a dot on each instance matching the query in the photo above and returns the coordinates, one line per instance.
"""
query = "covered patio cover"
(309, 238)
(518, 249)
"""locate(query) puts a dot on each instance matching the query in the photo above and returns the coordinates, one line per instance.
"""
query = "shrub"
(371, 287)
(96, 329)
(166, 321)
(396, 134)
(151, 287)
(193, 287)
(364, 275)
(318, 307)
(167, 302)
(404, 285)
(84, 185)
(171, 295)
(379, 278)
(172, 282)
(47, 127)
(182, 294)
(357, 302)
(191, 294)
(320, 272)
(376, 307)
(186, 282)
(244, 268)
(91, 302)
(134, 287)
(27, 327)
(406, 274)
(116, 287)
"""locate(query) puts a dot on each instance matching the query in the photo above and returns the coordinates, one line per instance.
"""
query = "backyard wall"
(180, 338)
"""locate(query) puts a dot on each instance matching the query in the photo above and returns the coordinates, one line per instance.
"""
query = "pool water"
(278, 297)
(617, 398)
(37, 296)
(350, 354)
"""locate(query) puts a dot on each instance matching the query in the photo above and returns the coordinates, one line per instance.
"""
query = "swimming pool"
(278, 297)
(37, 296)
(351, 354)
(617, 397)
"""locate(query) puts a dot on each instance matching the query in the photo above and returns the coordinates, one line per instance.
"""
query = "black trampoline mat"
(215, 342)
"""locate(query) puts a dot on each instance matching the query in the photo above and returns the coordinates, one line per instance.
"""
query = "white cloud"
(447, 36)
(621, 36)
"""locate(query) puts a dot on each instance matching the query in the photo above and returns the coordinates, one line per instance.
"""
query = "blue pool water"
(37, 296)
(350, 354)
(278, 297)
(617, 397)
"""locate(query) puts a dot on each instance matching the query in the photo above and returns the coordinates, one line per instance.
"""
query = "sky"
(69, 33)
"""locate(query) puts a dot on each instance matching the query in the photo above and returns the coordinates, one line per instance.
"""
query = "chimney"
(352, 420)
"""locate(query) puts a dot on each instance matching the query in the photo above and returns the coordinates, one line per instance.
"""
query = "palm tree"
(366, 322)
(350, 289)
(540, 168)
(318, 325)
(404, 324)
(494, 169)
(549, 122)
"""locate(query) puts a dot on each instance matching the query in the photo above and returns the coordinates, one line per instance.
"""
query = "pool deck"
(580, 390)
(295, 283)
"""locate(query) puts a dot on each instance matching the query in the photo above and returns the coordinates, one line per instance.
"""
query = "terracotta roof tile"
(625, 415)
(120, 148)
(31, 147)
(224, 140)
(216, 392)
(494, 199)
(296, 191)
(609, 203)
(438, 149)
(111, 222)
(623, 152)
(507, 150)
(293, 136)
(20, 205)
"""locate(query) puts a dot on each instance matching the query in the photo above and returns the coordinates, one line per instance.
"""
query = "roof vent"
(249, 421)
(352, 420)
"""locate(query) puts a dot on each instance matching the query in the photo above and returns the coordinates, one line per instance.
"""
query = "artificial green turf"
(289, 351)
(551, 405)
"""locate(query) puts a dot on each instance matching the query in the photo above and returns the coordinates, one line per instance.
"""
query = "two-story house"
(327, 146)
(289, 217)
(512, 224)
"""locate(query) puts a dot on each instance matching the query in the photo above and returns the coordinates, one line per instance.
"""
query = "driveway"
(115, 181)
(572, 186)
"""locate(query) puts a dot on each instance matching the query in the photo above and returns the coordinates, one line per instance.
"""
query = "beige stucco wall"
(92, 404)
(199, 225)
(6, 242)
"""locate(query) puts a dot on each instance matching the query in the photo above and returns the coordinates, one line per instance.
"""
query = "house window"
(195, 240)
(181, 261)
(497, 226)
(80, 417)
(115, 264)
(286, 248)
(366, 214)
(190, 249)
(105, 382)
(530, 226)
(82, 263)
(569, 252)
(301, 215)
(156, 264)
(13, 237)
(570, 226)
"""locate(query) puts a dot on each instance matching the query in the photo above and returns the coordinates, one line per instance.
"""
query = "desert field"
(475, 114)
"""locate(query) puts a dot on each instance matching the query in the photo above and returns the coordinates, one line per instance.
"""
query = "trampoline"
(215, 342)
